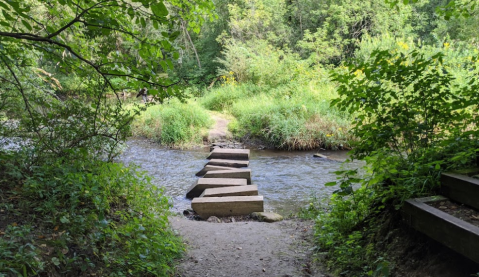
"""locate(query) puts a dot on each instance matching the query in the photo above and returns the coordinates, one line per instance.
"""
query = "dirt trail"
(245, 249)
(219, 132)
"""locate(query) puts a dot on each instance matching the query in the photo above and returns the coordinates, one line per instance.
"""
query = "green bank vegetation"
(173, 123)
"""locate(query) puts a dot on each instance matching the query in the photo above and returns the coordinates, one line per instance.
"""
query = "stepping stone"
(201, 184)
(267, 217)
(212, 168)
(228, 163)
(229, 154)
(231, 191)
(232, 173)
(227, 206)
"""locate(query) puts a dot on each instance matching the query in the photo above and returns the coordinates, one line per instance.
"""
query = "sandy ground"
(246, 248)
(219, 131)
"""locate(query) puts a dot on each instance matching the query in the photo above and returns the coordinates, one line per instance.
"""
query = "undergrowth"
(292, 117)
(173, 123)
(413, 122)
(78, 218)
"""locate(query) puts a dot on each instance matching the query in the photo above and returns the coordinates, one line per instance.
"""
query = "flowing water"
(287, 180)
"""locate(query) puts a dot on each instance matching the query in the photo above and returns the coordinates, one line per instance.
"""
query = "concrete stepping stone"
(212, 168)
(232, 173)
(201, 184)
(229, 154)
(227, 206)
(231, 191)
(228, 163)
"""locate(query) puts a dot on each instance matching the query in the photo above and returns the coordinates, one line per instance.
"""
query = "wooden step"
(201, 184)
(460, 188)
(451, 231)
(227, 206)
(229, 154)
(228, 163)
(232, 173)
(212, 168)
(231, 191)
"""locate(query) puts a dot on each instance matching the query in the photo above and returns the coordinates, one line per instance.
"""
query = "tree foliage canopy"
(108, 45)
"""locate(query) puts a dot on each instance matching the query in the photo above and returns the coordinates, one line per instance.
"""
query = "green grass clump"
(223, 97)
(72, 218)
(293, 117)
(173, 123)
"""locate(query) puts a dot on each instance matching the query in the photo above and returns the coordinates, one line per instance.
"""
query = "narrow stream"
(287, 180)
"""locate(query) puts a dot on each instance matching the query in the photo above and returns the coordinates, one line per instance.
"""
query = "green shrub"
(75, 218)
(412, 123)
(291, 117)
(173, 123)
(260, 63)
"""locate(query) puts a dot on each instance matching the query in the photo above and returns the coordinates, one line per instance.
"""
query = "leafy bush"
(412, 123)
(260, 63)
(73, 218)
(173, 122)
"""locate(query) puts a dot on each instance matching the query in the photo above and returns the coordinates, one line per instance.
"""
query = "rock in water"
(214, 219)
(267, 217)
(317, 155)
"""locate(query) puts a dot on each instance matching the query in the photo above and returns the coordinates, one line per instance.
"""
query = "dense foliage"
(65, 208)
(415, 113)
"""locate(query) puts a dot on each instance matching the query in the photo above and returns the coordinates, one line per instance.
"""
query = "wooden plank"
(212, 168)
(231, 191)
(460, 188)
(229, 154)
(228, 163)
(456, 234)
(227, 206)
(201, 184)
(232, 173)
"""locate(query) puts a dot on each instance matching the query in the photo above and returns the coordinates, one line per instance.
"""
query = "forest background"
(396, 82)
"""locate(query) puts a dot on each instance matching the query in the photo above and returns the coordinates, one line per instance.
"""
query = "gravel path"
(246, 248)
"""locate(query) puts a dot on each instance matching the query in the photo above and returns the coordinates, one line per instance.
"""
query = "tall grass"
(294, 116)
(173, 123)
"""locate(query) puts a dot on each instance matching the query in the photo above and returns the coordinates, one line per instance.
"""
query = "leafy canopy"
(110, 45)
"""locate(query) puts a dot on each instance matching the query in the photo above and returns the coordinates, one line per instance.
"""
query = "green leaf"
(56, 261)
(26, 24)
(159, 9)
(330, 184)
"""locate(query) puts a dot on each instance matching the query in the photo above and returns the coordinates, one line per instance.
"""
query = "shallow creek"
(287, 180)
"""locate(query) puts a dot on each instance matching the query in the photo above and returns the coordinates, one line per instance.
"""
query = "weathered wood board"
(229, 154)
(201, 184)
(453, 232)
(212, 168)
(232, 173)
(227, 206)
(461, 188)
(228, 163)
(231, 191)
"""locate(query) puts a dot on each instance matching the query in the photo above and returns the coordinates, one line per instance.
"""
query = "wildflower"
(446, 45)
(403, 45)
